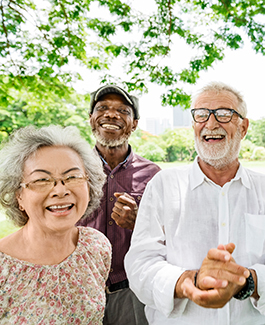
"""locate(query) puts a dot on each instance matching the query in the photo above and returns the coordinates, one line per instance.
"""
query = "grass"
(7, 227)
(255, 165)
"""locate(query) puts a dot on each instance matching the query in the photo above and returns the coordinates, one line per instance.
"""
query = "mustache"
(218, 131)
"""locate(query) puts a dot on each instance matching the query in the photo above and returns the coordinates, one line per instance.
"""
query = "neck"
(113, 155)
(49, 248)
(219, 176)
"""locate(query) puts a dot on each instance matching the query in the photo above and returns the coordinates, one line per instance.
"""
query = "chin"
(111, 143)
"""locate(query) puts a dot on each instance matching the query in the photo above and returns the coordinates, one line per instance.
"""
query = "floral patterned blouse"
(72, 292)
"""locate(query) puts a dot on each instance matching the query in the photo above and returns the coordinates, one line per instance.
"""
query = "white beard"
(218, 154)
(111, 143)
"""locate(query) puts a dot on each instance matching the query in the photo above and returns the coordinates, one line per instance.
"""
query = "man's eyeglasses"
(222, 115)
(48, 183)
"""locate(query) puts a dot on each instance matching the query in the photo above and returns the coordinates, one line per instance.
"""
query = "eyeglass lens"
(222, 115)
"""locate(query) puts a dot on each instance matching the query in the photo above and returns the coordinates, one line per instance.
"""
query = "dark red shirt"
(131, 177)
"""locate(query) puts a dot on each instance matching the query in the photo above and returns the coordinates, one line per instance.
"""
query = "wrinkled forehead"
(214, 100)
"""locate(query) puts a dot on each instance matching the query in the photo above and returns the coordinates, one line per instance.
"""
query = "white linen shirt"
(182, 215)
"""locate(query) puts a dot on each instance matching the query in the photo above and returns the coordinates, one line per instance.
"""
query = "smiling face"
(62, 206)
(218, 144)
(112, 120)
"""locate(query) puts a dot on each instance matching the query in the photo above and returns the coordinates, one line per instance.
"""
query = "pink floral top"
(72, 292)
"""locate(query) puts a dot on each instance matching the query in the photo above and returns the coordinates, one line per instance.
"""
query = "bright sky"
(243, 69)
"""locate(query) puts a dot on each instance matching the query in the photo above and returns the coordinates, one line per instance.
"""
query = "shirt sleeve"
(150, 275)
(260, 303)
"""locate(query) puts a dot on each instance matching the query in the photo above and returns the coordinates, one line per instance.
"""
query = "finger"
(125, 198)
(237, 275)
(209, 282)
(219, 255)
(118, 205)
(230, 247)
(115, 216)
(121, 222)
(118, 194)
(204, 298)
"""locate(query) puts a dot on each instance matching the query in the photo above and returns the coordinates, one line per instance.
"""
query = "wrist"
(178, 289)
(247, 290)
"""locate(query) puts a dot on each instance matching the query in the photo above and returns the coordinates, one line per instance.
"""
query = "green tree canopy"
(44, 40)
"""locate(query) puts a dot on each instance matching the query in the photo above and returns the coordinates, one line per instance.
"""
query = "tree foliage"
(178, 144)
(21, 107)
(42, 40)
(256, 132)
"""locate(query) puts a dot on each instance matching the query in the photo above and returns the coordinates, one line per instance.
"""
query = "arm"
(152, 278)
(124, 211)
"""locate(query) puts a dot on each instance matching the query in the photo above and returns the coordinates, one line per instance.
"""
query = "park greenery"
(178, 144)
(44, 43)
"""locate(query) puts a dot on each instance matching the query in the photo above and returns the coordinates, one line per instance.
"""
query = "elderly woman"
(51, 272)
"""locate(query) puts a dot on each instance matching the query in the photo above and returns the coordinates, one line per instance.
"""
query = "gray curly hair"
(25, 142)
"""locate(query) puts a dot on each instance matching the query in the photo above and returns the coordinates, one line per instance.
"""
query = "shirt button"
(110, 223)
(111, 199)
(223, 224)
(223, 193)
(139, 198)
(111, 270)
(111, 176)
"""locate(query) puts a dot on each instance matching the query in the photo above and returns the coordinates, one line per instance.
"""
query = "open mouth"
(60, 208)
(110, 126)
(210, 138)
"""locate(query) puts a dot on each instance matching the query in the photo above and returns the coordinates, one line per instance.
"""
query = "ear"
(244, 127)
(19, 200)
(135, 123)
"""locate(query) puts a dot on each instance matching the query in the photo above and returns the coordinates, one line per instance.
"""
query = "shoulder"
(171, 179)
(9, 244)
(90, 236)
(145, 162)
(173, 173)
(257, 178)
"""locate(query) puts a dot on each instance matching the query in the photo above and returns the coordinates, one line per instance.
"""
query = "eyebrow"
(49, 173)
(107, 106)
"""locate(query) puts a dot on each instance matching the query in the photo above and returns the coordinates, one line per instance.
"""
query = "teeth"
(60, 206)
(110, 126)
(213, 137)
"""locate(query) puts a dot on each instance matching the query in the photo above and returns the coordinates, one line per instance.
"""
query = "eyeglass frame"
(55, 181)
(213, 111)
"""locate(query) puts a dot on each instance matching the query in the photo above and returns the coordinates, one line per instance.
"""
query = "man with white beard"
(114, 115)
(197, 253)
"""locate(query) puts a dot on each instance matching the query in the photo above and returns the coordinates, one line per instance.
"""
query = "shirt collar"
(197, 177)
(127, 160)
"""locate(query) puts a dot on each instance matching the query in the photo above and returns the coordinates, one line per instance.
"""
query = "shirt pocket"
(255, 236)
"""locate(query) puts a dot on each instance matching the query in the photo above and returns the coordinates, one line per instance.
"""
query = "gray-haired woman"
(51, 272)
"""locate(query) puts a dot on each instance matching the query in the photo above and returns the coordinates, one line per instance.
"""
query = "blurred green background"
(7, 227)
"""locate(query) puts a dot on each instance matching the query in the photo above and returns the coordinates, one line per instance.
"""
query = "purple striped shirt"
(130, 176)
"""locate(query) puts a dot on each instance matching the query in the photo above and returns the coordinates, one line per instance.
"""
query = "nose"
(112, 113)
(212, 123)
(59, 189)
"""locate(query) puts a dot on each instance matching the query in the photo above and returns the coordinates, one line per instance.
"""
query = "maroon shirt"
(130, 176)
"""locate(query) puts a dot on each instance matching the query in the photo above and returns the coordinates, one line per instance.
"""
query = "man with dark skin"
(114, 115)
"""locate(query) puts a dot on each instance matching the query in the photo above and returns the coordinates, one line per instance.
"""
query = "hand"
(219, 265)
(218, 279)
(124, 211)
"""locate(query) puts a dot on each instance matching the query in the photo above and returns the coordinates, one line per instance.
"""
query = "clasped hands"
(124, 211)
(218, 279)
